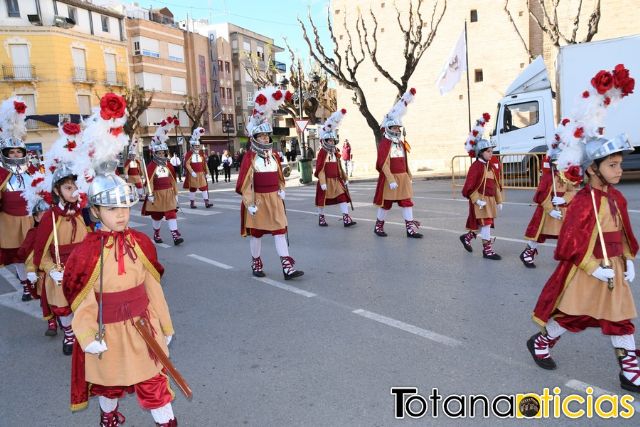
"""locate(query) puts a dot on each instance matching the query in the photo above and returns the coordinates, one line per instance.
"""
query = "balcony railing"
(19, 72)
(83, 75)
(114, 78)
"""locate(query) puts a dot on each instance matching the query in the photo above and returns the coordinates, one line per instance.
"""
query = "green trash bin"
(304, 167)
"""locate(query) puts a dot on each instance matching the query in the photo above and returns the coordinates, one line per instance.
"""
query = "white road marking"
(10, 277)
(210, 261)
(282, 286)
(424, 227)
(466, 201)
(597, 391)
(424, 333)
(163, 245)
(135, 224)
(198, 212)
(13, 300)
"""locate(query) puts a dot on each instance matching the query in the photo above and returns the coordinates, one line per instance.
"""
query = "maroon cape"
(384, 147)
(573, 246)
(542, 192)
(27, 245)
(80, 273)
(187, 175)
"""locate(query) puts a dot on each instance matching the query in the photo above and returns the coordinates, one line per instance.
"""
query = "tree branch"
(515, 27)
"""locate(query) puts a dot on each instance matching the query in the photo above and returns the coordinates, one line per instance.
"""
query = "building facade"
(158, 65)
(436, 125)
(59, 56)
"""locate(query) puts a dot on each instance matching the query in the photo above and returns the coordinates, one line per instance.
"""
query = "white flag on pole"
(454, 67)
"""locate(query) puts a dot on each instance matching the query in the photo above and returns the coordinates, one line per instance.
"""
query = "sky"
(272, 18)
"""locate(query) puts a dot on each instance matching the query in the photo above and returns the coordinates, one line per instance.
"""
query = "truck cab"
(524, 121)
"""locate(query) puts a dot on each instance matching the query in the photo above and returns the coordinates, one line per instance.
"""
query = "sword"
(146, 175)
(56, 244)
(100, 333)
(605, 263)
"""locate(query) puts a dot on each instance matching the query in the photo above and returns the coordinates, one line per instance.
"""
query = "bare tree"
(548, 22)
(138, 100)
(416, 41)
(195, 107)
(345, 59)
(315, 89)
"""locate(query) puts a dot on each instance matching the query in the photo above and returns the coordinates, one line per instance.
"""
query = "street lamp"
(227, 129)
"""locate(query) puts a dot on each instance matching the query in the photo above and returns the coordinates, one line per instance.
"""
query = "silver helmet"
(156, 149)
(112, 191)
(330, 147)
(260, 148)
(394, 136)
(40, 206)
(9, 143)
(62, 171)
(601, 147)
(482, 144)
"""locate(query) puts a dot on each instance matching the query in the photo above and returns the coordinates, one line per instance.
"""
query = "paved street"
(370, 313)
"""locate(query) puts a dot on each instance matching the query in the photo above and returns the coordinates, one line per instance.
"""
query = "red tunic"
(79, 276)
(573, 250)
(397, 166)
(332, 170)
(199, 167)
(475, 183)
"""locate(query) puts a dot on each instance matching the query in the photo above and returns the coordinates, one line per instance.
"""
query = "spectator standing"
(176, 163)
(347, 158)
(213, 162)
(226, 165)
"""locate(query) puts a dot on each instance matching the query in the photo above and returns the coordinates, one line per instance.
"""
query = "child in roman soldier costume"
(553, 195)
(483, 189)
(61, 229)
(395, 180)
(331, 188)
(596, 246)
(163, 200)
(133, 169)
(195, 163)
(37, 206)
(113, 284)
(261, 184)
(15, 220)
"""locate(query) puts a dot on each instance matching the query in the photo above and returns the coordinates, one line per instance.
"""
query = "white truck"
(525, 121)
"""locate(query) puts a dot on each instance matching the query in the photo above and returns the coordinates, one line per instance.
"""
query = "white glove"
(56, 275)
(554, 213)
(252, 210)
(193, 174)
(96, 347)
(168, 338)
(481, 203)
(151, 199)
(281, 194)
(499, 206)
(323, 187)
(346, 183)
(604, 274)
(630, 274)
(393, 185)
(557, 200)
(32, 277)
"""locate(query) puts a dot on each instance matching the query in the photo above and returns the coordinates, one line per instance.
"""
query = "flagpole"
(466, 53)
